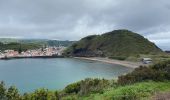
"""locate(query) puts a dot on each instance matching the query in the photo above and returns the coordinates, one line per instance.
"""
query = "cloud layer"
(74, 19)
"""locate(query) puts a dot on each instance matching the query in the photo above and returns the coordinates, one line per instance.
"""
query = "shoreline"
(100, 59)
(27, 57)
(112, 61)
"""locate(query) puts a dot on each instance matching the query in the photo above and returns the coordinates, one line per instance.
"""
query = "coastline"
(25, 57)
(100, 59)
(112, 61)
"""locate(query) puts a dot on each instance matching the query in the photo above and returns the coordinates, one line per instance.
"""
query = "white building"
(147, 60)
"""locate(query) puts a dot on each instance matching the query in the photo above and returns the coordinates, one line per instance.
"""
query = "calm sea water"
(30, 74)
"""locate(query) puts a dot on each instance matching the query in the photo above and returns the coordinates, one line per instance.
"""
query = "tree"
(12, 93)
(56, 95)
(26, 96)
(2, 91)
(41, 94)
(20, 49)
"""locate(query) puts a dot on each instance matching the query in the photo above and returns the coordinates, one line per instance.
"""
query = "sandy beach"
(112, 61)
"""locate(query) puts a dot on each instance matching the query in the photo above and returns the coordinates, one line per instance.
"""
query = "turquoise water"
(30, 74)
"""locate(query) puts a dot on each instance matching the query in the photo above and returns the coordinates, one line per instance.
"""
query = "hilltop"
(122, 43)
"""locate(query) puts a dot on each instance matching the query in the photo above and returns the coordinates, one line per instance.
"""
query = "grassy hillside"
(17, 46)
(8, 40)
(59, 43)
(112, 44)
(37, 41)
(137, 91)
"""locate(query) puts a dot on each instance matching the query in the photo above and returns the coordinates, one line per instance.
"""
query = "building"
(11, 53)
(147, 60)
(49, 51)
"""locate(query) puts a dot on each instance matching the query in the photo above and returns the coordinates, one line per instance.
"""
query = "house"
(11, 53)
(147, 60)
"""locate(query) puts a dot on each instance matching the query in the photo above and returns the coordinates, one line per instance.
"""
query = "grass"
(138, 91)
(155, 57)
(17, 46)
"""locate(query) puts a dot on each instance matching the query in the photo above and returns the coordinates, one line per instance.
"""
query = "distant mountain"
(8, 40)
(115, 43)
(38, 41)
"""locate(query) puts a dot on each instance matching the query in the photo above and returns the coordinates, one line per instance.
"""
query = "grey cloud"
(74, 19)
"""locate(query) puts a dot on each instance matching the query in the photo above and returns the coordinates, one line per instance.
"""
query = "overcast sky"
(74, 19)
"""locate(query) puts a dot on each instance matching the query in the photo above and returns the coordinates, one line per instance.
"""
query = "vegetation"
(140, 84)
(12, 93)
(118, 57)
(137, 91)
(115, 44)
(19, 46)
(37, 41)
(88, 86)
(59, 43)
(157, 72)
(144, 83)
(48, 42)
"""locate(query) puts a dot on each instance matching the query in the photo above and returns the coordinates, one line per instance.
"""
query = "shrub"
(41, 94)
(93, 85)
(2, 91)
(73, 88)
(87, 86)
(118, 57)
(13, 94)
(26, 96)
(157, 72)
(56, 93)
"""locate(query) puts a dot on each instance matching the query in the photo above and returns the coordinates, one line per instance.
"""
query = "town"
(41, 52)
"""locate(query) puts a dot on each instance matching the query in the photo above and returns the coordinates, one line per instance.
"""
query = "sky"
(74, 19)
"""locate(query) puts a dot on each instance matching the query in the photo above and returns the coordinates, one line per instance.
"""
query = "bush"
(26, 96)
(118, 57)
(157, 72)
(41, 94)
(13, 94)
(56, 93)
(87, 86)
(73, 88)
(2, 91)
(93, 85)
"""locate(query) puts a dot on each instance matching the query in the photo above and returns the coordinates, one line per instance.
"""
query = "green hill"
(116, 43)
(17, 46)
(47, 42)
